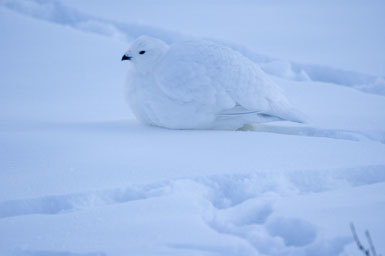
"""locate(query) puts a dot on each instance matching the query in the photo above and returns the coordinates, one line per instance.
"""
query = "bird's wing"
(250, 116)
(205, 73)
(254, 91)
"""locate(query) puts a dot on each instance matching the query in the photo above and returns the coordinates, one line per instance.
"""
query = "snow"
(344, 34)
(79, 175)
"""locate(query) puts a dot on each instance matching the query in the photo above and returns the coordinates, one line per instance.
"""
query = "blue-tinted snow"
(79, 176)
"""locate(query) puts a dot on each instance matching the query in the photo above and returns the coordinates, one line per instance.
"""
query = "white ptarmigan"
(201, 85)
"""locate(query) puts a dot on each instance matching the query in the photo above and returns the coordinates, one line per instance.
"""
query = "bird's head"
(145, 52)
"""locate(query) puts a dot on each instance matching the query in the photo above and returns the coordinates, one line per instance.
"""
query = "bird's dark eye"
(142, 52)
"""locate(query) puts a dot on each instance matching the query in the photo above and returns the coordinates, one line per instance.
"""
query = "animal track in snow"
(224, 191)
(56, 204)
(243, 206)
(239, 205)
(230, 190)
(305, 233)
(253, 221)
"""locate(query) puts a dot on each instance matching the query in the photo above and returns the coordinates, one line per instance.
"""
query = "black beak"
(125, 57)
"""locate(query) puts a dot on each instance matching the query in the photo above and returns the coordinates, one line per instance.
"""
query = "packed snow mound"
(55, 11)
(201, 85)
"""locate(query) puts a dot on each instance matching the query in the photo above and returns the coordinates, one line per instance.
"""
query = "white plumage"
(201, 85)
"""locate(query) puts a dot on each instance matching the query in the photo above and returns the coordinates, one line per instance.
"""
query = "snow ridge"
(238, 205)
(56, 204)
(55, 11)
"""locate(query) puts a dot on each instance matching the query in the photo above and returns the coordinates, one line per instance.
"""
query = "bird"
(201, 84)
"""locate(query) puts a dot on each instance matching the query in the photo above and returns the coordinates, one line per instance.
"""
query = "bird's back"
(205, 73)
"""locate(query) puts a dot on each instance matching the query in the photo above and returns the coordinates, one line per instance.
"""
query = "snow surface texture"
(201, 85)
(55, 11)
(80, 176)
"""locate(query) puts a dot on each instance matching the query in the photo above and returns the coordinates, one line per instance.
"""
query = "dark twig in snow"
(372, 249)
(359, 245)
(366, 252)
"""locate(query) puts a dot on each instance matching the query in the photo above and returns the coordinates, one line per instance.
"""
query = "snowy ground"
(80, 176)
